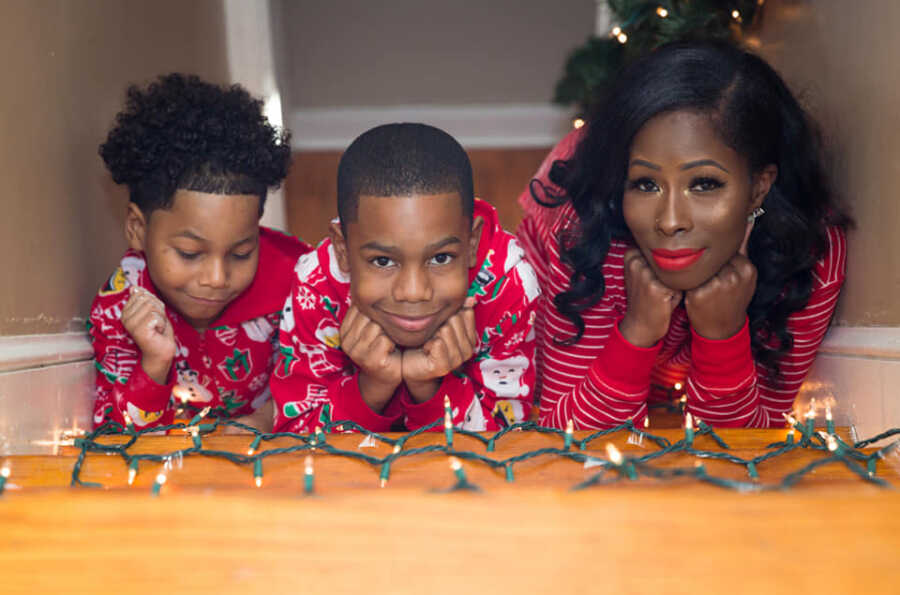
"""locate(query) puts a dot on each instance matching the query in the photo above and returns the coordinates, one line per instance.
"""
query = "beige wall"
(65, 65)
(400, 52)
(842, 59)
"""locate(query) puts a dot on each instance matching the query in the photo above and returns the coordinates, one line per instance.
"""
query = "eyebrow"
(445, 242)
(688, 165)
(189, 235)
(699, 162)
(645, 164)
(393, 249)
(192, 236)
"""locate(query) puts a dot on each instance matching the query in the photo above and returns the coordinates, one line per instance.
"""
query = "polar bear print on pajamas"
(514, 253)
(474, 419)
(287, 316)
(334, 268)
(515, 259)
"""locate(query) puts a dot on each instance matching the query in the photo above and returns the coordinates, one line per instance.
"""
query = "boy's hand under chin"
(378, 359)
(144, 318)
(451, 346)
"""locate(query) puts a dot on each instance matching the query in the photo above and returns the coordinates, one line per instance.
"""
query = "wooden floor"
(500, 175)
(212, 530)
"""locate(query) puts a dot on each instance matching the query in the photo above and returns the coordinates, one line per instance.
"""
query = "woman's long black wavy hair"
(754, 113)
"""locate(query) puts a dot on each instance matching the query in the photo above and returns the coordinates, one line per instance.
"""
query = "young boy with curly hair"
(416, 295)
(191, 315)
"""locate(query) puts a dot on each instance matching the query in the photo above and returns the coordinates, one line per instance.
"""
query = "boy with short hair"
(191, 314)
(417, 294)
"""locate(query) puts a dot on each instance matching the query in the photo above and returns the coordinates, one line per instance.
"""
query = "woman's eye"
(382, 262)
(242, 256)
(442, 258)
(643, 185)
(705, 184)
(187, 255)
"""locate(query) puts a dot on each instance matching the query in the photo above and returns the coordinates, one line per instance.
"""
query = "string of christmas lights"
(613, 468)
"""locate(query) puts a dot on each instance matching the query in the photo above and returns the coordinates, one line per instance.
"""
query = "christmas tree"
(636, 28)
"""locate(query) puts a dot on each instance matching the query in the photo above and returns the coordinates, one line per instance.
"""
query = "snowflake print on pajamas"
(306, 300)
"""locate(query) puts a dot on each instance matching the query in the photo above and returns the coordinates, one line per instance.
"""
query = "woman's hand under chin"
(650, 303)
(718, 308)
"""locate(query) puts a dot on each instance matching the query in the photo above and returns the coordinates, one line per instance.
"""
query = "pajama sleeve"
(312, 371)
(724, 385)
(122, 387)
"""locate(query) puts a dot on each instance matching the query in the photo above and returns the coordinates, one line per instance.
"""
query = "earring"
(757, 213)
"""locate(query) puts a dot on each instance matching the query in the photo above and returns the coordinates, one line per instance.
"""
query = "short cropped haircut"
(403, 160)
(182, 133)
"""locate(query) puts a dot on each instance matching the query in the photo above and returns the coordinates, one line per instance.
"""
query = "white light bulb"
(613, 453)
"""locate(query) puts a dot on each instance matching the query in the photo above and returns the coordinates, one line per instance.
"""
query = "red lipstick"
(676, 260)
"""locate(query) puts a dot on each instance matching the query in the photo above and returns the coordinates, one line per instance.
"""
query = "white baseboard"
(878, 342)
(36, 405)
(46, 386)
(860, 368)
(33, 351)
(474, 126)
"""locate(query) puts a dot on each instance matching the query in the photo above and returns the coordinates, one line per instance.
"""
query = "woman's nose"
(673, 215)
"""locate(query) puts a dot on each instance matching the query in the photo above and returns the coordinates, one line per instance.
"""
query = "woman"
(685, 238)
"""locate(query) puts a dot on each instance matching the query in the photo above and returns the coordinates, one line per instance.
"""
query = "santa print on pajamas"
(227, 367)
(490, 391)
(603, 380)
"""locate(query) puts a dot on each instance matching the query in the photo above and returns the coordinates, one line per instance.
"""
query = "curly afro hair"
(183, 133)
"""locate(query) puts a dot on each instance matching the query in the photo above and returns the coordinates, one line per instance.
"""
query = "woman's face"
(687, 197)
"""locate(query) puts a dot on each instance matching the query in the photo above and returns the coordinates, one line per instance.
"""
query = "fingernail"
(470, 302)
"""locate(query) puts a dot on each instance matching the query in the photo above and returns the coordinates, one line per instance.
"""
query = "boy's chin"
(408, 340)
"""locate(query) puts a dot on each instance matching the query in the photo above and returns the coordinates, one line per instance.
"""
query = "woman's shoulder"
(563, 150)
(831, 268)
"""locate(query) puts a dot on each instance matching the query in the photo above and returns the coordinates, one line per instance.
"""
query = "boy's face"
(408, 259)
(201, 253)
